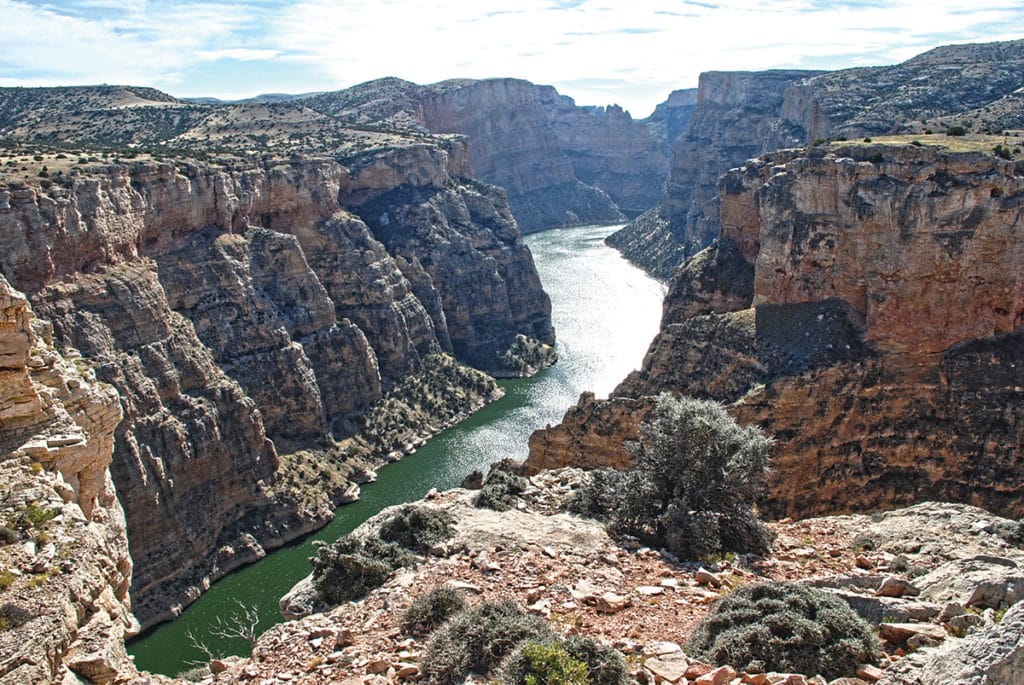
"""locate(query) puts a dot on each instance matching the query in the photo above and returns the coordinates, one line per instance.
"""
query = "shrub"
(956, 131)
(431, 610)
(351, 567)
(500, 491)
(8, 535)
(6, 579)
(476, 641)
(695, 478)
(534, 663)
(785, 627)
(417, 528)
(13, 616)
(565, 662)
(605, 665)
(1002, 152)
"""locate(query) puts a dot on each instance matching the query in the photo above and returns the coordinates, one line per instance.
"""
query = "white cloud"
(598, 51)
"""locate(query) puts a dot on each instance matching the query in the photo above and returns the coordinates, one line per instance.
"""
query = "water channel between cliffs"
(605, 313)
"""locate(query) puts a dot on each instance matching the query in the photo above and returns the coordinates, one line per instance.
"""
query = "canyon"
(219, 320)
(742, 115)
(863, 304)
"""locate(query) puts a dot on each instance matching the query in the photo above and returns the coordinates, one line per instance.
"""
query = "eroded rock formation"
(246, 311)
(865, 307)
(64, 552)
(740, 115)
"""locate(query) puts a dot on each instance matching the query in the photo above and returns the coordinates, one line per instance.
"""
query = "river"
(605, 313)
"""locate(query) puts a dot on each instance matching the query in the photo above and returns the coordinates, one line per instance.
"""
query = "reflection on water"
(605, 313)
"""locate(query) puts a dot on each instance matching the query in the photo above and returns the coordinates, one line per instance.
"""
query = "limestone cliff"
(865, 306)
(736, 117)
(247, 315)
(64, 562)
(740, 115)
(561, 164)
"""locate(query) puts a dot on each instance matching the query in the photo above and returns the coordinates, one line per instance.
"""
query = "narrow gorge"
(219, 321)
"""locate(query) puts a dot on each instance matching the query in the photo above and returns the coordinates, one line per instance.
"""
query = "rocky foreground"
(939, 580)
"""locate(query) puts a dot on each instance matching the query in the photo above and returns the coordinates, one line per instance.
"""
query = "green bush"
(695, 479)
(576, 660)
(605, 665)
(500, 491)
(477, 640)
(1002, 152)
(787, 628)
(352, 567)
(534, 663)
(417, 528)
(431, 610)
(956, 131)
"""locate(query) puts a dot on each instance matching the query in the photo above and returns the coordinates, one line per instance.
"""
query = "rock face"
(562, 165)
(513, 145)
(864, 307)
(740, 115)
(68, 570)
(736, 117)
(246, 309)
(986, 658)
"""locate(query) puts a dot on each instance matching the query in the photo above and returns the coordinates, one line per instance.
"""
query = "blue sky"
(629, 52)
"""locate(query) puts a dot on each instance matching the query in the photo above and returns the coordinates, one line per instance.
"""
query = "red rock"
(698, 669)
(719, 676)
(869, 672)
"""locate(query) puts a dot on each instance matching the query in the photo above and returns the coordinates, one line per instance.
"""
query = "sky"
(628, 52)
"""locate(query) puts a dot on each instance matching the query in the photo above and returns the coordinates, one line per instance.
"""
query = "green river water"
(605, 313)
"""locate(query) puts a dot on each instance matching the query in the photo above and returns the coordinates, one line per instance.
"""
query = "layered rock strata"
(245, 311)
(863, 306)
(64, 552)
(736, 117)
(740, 115)
(562, 165)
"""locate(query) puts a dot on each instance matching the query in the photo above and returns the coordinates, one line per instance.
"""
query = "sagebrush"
(787, 628)
(352, 567)
(476, 641)
(431, 610)
(693, 486)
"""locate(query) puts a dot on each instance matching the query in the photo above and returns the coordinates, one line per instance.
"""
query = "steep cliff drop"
(864, 305)
(562, 164)
(741, 115)
(64, 562)
(276, 325)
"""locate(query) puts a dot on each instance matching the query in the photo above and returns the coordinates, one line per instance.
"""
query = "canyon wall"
(64, 550)
(562, 165)
(250, 319)
(864, 305)
(740, 115)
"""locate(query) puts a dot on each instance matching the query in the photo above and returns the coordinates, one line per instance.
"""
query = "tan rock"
(899, 633)
(718, 676)
(611, 603)
(696, 669)
(667, 670)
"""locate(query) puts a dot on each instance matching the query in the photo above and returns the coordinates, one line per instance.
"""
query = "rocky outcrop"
(670, 119)
(513, 145)
(245, 311)
(880, 343)
(64, 549)
(562, 165)
(740, 115)
(736, 117)
(986, 658)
